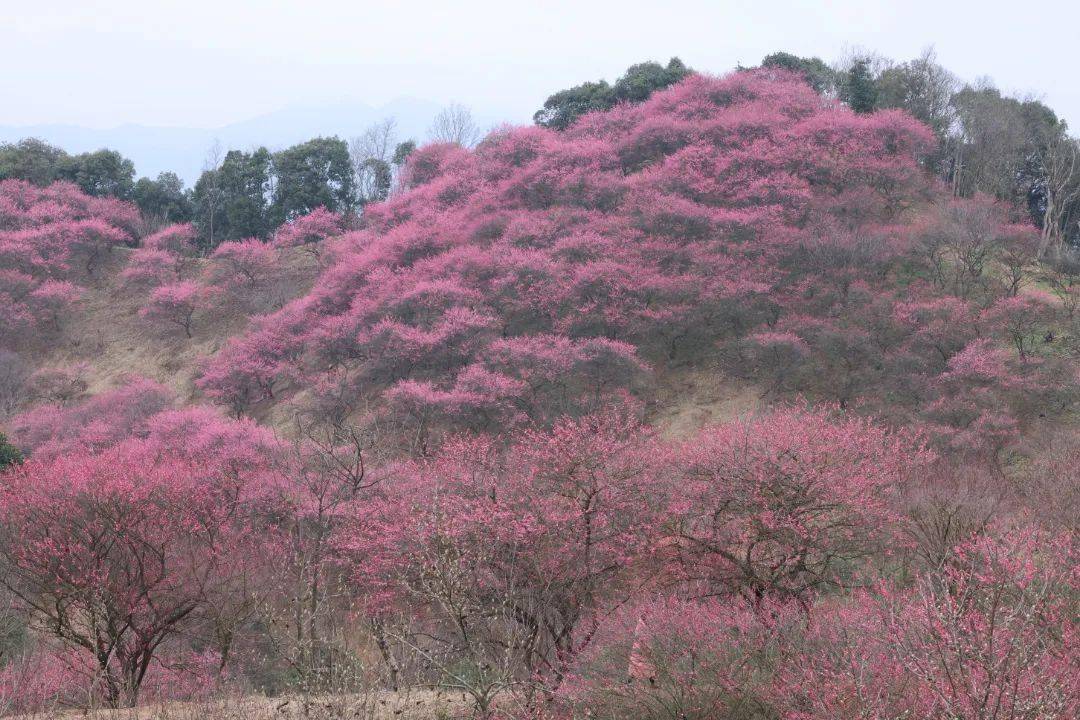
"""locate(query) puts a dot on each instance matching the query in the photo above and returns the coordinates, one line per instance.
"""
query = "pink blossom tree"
(308, 232)
(150, 267)
(533, 548)
(43, 232)
(174, 304)
(115, 553)
(1021, 319)
(783, 506)
(243, 263)
(179, 240)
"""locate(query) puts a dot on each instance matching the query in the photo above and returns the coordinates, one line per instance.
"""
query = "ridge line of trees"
(1014, 149)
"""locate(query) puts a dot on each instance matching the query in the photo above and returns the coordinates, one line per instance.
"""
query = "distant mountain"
(183, 150)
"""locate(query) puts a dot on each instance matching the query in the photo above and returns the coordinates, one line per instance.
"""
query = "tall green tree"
(642, 80)
(232, 201)
(402, 152)
(817, 73)
(923, 88)
(163, 199)
(564, 107)
(859, 89)
(316, 173)
(995, 141)
(32, 160)
(380, 176)
(101, 173)
(636, 85)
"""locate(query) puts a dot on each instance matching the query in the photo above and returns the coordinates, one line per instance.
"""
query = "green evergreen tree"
(636, 85)
(316, 173)
(9, 454)
(231, 202)
(860, 88)
(163, 199)
(820, 76)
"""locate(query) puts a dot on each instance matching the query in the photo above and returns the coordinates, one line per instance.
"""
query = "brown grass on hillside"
(405, 705)
(689, 399)
(107, 333)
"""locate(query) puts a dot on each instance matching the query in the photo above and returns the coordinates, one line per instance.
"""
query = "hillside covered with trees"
(749, 396)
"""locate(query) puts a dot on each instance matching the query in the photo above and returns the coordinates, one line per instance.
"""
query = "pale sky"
(206, 63)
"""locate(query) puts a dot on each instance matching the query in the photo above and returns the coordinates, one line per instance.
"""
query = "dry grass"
(691, 398)
(107, 334)
(407, 705)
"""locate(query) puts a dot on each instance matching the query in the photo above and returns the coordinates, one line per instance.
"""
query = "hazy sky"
(206, 63)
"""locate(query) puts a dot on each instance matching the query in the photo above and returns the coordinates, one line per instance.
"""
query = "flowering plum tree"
(149, 267)
(994, 636)
(308, 232)
(1021, 318)
(175, 304)
(530, 548)
(53, 430)
(114, 553)
(175, 239)
(43, 231)
(243, 263)
(683, 218)
(52, 300)
(60, 384)
(780, 507)
(990, 635)
(671, 658)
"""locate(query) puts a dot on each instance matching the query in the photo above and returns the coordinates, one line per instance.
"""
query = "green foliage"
(924, 89)
(245, 178)
(566, 106)
(382, 175)
(99, 173)
(819, 75)
(9, 454)
(316, 173)
(163, 199)
(859, 89)
(636, 85)
(32, 160)
(403, 151)
(642, 80)
(231, 201)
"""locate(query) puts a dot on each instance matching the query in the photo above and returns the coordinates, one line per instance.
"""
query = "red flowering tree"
(673, 659)
(53, 430)
(150, 267)
(44, 233)
(117, 552)
(508, 562)
(308, 232)
(175, 304)
(1022, 319)
(179, 240)
(657, 227)
(243, 263)
(781, 507)
(991, 635)
(995, 635)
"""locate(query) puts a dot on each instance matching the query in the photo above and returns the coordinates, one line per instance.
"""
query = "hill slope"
(716, 397)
